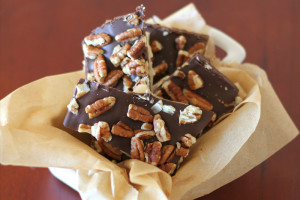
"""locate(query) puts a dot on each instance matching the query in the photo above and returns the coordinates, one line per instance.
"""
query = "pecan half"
(81, 89)
(119, 54)
(91, 52)
(198, 47)
(101, 130)
(194, 80)
(160, 69)
(167, 154)
(146, 126)
(188, 140)
(129, 35)
(168, 167)
(182, 57)
(137, 149)
(153, 151)
(156, 46)
(100, 69)
(99, 40)
(190, 114)
(139, 113)
(180, 42)
(111, 151)
(160, 129)
(135, 67)
(73, 106)
(84, 128)
(100, 106)
(182, 152)
(112, 78)
(122, 129)
(174, 92)
(132, 19)
(137, 49)
(145, 135)
(196, 100)
(127, 82)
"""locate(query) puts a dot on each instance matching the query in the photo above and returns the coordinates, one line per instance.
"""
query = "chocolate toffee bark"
(116, 54)
(200, 84)
(141, 126)
(172, 47)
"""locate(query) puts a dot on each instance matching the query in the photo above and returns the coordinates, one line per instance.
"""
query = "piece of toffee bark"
(116, 54)
(142, 126)
(199, 83)
(172, 47)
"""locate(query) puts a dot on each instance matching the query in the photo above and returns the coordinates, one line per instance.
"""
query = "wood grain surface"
(42, 37)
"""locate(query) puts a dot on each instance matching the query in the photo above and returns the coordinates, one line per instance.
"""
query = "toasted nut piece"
(100, 69)
(168, 109)
(136, 67)
(146, 126)
(145, 135)
(160, 69)
(137, 149)
(198, 47)
(81, 89)
(194, 80)
(91, 52)
(132, 19)
(142, 85)
(125, 61)
(112, 78)
(157, 107)
(182, 57)
(119, 54)
(158, 93)
(153, 151)
(73, 106)
(139, 113)
(84, 128)
(99, 40)
(174, 92)
(179, 74)
(156, 46)
(122, 129)
(101, 130)
(190, 114)
(196, 100)
(129, 35)
(182, 152)
(180, 42)
(167, 154)
(188, 140)
(136, 131)
(168, 167)
(137, 49)
(100, 106)
(111, 151)
(127, 82)
(160, 129)
(90, 76)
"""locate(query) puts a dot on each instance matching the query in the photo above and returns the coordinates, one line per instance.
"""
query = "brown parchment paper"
(31, 134)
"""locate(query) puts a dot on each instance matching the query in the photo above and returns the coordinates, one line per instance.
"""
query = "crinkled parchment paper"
(31, 134)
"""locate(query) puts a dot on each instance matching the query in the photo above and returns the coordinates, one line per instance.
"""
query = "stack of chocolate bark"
(139, 110)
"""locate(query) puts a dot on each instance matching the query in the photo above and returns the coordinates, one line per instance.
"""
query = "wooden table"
(42, 37)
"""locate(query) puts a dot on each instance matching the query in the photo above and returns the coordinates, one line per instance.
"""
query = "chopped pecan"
(139, 113)
(188, 140)
(156, 46)
(190, 114)
(142, 85)
(124, 62)
(73, 106)
(194, 80)
(180, 42)
(174, 92)
(112, 78)
(167, 154)
(153, 151)
(132, 19)
(182, 152)
(157, 107)
(122, 129)
(129, 35)
(160, 129)
(198, 47)
(111, 151)
(99, 40)
(168, 109)
(196, 100)
(146, 126)
(101, 130)
(160, 69)
(127, 82)
(179, 74)
(119, 54)
(168, 167)
(81, 89)
(100, 106)
(137, 149)
(100, 69)
(135, 67)
(84, 128)
(137, 49)
(182, 57)
(144, 135)
(91, 52)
